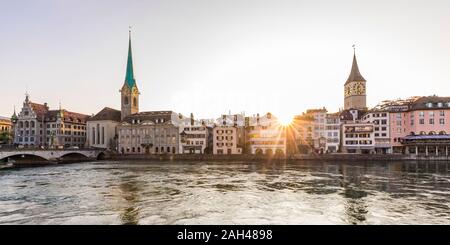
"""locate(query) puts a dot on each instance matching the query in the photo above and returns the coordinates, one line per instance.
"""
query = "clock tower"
(355, 88)
(129, 91)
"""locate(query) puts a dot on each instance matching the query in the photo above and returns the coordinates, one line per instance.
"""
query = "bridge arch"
(101, 156)
(24, 157)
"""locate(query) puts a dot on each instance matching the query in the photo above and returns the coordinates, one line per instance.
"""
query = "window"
(125, 100)
(134, 101)
(431, 113)
(412, 122)
(384, 121)
(429, 104)
(431, 120)
(421, 114)
(442, 113)
(421, 121)
(442, 121)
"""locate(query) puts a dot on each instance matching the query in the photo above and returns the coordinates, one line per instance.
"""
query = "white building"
(358, 138)
(380, 120)
(194, 139)
(332, 132)
(102, 129)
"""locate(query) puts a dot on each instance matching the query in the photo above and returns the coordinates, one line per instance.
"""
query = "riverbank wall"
(244, 157)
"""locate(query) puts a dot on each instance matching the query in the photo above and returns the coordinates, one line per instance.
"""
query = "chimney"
(192, 119)
(224, 120)
(257, 119)
(235, 120)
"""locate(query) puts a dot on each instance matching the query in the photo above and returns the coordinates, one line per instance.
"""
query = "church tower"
(355, 88)
(129, 91)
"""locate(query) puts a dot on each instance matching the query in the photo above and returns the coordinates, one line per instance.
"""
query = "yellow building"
(5, 129)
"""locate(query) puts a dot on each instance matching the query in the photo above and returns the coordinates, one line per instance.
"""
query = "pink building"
(421, 126)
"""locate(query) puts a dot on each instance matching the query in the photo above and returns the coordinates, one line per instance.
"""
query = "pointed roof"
(129, 76)
(355, 75)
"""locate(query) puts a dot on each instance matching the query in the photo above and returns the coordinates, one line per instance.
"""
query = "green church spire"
(129, 77)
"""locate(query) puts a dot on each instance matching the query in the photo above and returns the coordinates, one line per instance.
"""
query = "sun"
(285, 120)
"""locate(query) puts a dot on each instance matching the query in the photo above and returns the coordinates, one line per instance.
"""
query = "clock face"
(347, 91)
(360, 88)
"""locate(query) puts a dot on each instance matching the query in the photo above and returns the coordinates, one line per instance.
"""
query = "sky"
(210, 57)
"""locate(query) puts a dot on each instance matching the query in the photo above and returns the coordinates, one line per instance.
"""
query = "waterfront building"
(5, 130)
(151, 132)
(428, 126)
(194, 138)
(381, 129)
(358, 138)
(332, 132)
(303, 133)
(319, 128)
(225, 140)
(102, 129)
(355, 88)
(5, 124)
(267, 137)
(37, 125)
(398, 119)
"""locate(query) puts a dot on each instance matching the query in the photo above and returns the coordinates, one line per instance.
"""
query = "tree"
(4, 137)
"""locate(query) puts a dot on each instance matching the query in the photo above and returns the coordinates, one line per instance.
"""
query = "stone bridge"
(53, 155)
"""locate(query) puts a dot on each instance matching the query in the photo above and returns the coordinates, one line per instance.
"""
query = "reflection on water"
(227, 193)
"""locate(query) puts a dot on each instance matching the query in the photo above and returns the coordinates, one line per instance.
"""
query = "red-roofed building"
(38, 126)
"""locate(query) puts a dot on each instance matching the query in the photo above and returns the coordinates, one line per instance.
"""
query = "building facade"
(152, 132)
(358, 138)
(38, 126)
(5, 130)
(102, 129)
(225, 140)
(303, 126)
(381, 122)
(427, 126)
(194, 139)
(332, 133)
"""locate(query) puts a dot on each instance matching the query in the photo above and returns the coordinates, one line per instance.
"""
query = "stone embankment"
(244, 157)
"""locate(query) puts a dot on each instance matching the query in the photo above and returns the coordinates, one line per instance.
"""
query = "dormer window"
(429, 104)
(440, 104)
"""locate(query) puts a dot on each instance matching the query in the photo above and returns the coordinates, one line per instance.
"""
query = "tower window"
(125, 100)
(134, 101)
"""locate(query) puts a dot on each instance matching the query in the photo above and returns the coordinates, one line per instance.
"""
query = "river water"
(227, 193)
